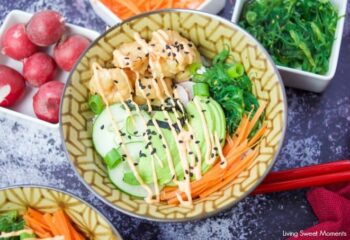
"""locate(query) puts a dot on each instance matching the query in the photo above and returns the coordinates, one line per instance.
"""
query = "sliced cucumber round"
(117, 174)
(103, 133)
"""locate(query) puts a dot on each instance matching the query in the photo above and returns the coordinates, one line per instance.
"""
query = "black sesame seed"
(180, 141)
(191, 136)
(190, 152)
(138, 48)
(212, 155)
(116, 81)
(164, 146)
(135, 164)
(186, 171)
(215, 148)
(187, 52)
(160, 136)
(102, 127)
(174, 54)
(169, 54)
(126, 58)
(153, 151)
(203, 110)
(192, 116)
(148, 94)
(152, 44)
(127, 63)
(124, 155)
(190, 45)
(191, 174)
(147, 54)
(222, 163)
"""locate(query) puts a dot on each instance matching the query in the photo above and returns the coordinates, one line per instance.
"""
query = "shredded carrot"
(51, 225)
(125, 9)
(239, 153)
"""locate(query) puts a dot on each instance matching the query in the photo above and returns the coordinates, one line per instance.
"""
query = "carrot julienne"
(125, 9)
(50, 225)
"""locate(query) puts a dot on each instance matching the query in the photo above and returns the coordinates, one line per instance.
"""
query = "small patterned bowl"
(88, 220)
(210, 33)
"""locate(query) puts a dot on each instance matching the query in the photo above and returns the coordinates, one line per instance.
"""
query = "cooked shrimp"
(170, 55)
(148, 88)
(131, 55)
(116, 83)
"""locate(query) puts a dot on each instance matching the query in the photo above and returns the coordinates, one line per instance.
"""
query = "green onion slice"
(201, 89)
(194, 67)
(112, 158)
(26, 236)
(96, 104)
(237, 70)
(130, 178)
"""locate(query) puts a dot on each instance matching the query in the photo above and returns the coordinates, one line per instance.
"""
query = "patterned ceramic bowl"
(210, 33)
(88, 220)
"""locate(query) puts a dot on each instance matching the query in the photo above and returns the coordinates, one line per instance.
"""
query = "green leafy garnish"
(297, 33)
(230, 86)
(11, 222)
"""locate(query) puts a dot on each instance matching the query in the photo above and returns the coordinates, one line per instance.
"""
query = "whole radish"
(16, 44)
(45, 28)
(68, 51)
(39, 69)
(46, 102)
(12, 86)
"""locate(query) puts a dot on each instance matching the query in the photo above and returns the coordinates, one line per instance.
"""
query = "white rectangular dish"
(24, 106)
(302, 79)
(209, 6)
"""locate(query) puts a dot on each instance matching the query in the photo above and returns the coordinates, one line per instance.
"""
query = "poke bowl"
(49, 213)
(173, 115)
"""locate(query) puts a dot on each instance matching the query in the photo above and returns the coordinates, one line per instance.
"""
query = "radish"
(16, 44)
(46, 102)
(39, 69)
(68, 51)
(45, 28)
(12, 86)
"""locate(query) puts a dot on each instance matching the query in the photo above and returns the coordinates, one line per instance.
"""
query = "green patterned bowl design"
(90, 222)
(210, 33)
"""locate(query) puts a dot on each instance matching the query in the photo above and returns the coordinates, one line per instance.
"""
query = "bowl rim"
(206, 214)
(37, 186)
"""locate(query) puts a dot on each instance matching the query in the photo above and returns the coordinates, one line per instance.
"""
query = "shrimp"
(117, 84)
(145, 88)
(132, 56)
(171, 54)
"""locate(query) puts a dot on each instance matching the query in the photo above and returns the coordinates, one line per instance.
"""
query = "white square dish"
(23, 108)
(302, 79)
(209, 6)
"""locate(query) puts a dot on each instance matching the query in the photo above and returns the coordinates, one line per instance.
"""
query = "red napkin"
(332, 208)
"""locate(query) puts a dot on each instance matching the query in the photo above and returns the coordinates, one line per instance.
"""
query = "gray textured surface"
(319, 131)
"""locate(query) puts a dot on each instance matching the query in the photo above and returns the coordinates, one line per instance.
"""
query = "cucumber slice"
(117, 174)
(103, 133)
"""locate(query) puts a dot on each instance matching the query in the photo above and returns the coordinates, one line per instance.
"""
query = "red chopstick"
(310, 176)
